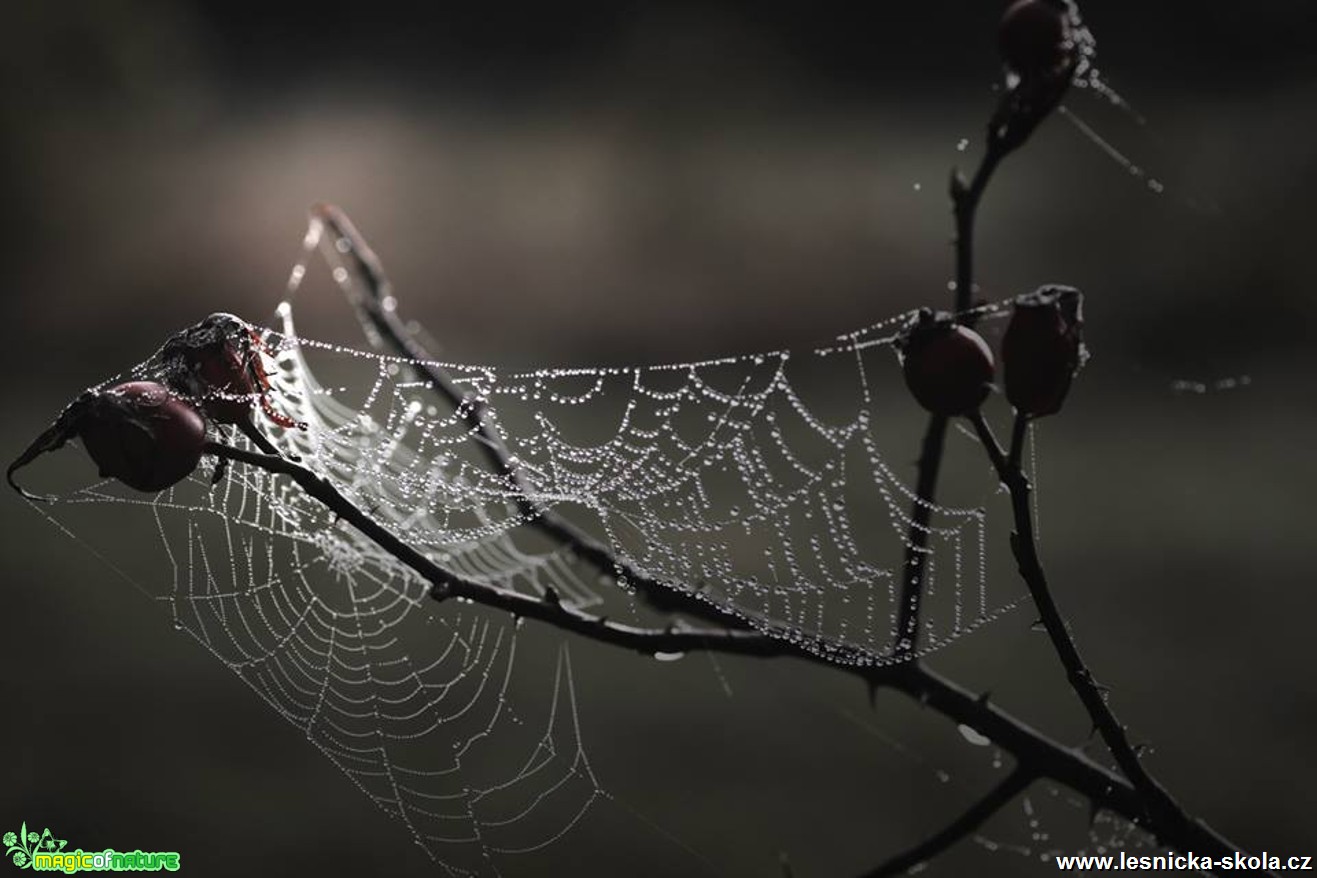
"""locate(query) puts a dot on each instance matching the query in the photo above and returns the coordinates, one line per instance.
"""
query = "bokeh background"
(566, 184)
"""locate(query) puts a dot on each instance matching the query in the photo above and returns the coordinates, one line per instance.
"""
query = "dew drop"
(974, 736)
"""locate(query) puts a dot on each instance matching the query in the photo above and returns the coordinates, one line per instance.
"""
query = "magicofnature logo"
(43, 852)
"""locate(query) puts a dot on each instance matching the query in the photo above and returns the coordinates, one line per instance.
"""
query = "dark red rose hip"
(1042, 349)
(1034, 36)
(948, 367)
(142, 435)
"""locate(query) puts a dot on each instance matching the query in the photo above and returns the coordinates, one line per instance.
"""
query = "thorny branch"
(1160, 806)
(1033, 750)
(377, 311)
(1136, 796)
(1139, 799)
(1021, 110)
(997, 798)
(965, 201)
(1017, 115)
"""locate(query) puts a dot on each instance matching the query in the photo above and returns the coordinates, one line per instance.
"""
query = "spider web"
(758, 483)
(1050, 822)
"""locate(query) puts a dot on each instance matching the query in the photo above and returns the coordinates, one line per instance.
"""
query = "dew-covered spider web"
(762, 485)
(1050, 823)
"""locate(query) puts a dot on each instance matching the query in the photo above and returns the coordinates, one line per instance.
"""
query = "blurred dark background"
(558, 184)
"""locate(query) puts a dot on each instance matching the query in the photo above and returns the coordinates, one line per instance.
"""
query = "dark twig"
(1021, 110)
(965, 198)
(917, 535)
(974, 817)
(377, 311)
(1043, 757)
(1019, 431)
(1159, 807)
(256, 437)
(1031, 749)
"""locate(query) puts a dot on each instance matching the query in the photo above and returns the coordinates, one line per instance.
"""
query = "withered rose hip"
(1042, 349)
(142, 435)
(228, 382)
(217, 363)
(948, 367)
(213, 363)
(1034, 36)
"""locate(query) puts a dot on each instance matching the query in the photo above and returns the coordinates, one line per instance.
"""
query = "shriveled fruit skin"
(143, 435)
(212, 362)
(231, 386)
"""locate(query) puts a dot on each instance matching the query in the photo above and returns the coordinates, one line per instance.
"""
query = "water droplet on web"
(973, 735)
(962, 144)
(669, 656)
